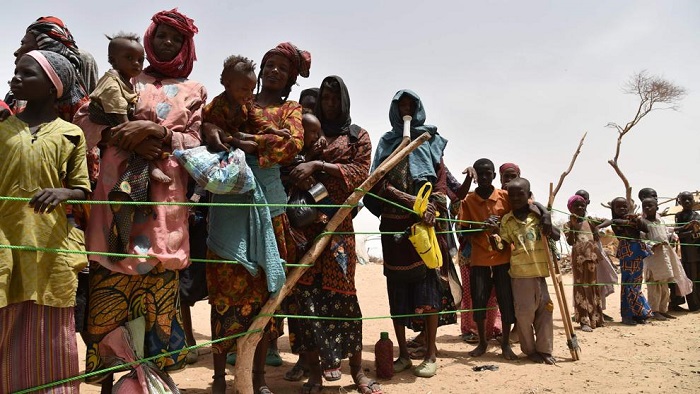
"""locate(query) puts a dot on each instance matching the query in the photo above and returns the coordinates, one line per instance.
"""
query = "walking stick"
(243, 382)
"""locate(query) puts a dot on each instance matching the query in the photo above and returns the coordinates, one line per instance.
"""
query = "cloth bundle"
(219, 173)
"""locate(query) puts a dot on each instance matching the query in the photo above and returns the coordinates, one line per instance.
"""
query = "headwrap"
(572, 200)
(181, 65)
(53, 35)
(309, 92)
(342, 124)
(422, 161)
(59, 70)
(300, 61)
(507, 166)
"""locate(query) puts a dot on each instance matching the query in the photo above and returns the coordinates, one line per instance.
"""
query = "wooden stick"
(243, 370)
(553, 194)
(555, 273)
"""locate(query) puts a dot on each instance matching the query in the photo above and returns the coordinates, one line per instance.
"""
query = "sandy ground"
(657, 357)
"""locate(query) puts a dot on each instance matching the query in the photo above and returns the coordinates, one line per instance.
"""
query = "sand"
(656, 357)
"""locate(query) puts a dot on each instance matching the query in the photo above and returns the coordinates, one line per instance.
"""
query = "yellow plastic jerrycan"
(422, 236)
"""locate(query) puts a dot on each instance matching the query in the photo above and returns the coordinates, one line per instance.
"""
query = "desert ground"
(656, 357)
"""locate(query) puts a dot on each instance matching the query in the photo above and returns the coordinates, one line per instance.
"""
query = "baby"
(113, 100)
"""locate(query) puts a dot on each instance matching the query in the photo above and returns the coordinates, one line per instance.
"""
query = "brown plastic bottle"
(384, 356)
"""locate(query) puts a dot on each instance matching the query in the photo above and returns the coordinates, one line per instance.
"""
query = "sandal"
(311, 388)
(470, 337)
(402, 364)
(332, 375)
(297, 373)
(426, 369)
(371, 387)
(417, 353)
(273, 358)
(264, 390)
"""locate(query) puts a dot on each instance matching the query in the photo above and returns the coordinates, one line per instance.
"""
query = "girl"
(582, 237)
(631, 252)
(43, 158)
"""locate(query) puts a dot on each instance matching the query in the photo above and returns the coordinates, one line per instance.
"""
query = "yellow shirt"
(51, 158)
(113, 94)
(528, 255)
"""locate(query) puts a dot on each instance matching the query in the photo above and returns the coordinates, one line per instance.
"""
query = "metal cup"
(318, 192)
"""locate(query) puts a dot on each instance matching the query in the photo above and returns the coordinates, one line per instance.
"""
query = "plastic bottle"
(384, 356)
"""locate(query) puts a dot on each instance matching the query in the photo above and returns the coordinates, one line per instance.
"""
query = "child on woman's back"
(113, 100)
(521, 231)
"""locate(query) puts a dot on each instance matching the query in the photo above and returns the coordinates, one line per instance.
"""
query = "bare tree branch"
(553, 194)
(652, 91)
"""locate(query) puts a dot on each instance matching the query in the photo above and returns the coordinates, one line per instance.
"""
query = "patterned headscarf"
(181, 65)
(59, 70)
(53, 35)
(507, 166)
(572, 200)
(300, 61)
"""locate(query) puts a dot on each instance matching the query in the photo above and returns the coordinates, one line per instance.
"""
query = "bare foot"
(508, 353)
(586, 328)
(548, 359)
(159, 175)
(536, 358)
(479, 350)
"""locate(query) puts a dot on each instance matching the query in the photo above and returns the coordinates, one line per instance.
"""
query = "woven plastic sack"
(220, 172)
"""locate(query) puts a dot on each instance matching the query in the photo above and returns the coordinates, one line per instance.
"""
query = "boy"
(688, 231)
(489, 266)
(521, 229)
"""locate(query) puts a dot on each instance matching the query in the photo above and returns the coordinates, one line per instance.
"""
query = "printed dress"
(588, 308)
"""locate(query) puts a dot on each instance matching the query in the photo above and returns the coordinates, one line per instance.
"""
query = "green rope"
(122, 255)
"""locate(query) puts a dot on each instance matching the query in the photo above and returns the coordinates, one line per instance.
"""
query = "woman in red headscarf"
(235, 295)
(168, 117)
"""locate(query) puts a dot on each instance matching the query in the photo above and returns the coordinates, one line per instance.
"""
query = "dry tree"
(654, 93)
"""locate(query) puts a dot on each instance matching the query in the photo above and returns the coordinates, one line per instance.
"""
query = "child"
(688, 230)
(583, 236)
(521, 231)
(631, 251)
(37, 290)
(662, 265)
(113, 100)
(606, 277)
(489, 266)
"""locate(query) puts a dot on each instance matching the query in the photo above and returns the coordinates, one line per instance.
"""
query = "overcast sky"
(512, 81)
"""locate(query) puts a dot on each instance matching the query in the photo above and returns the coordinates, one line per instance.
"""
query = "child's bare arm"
(46, 200)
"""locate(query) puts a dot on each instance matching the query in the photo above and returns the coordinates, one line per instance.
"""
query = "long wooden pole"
(243, 371)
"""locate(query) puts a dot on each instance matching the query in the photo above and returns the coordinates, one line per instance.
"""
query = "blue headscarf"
(422, 161)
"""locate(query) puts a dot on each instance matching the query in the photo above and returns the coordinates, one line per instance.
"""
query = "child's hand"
(321, 143)
(279, 132)
(491, 224)
(215, 138)
(46, 200)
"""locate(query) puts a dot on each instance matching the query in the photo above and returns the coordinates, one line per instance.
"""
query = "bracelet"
(323, 166)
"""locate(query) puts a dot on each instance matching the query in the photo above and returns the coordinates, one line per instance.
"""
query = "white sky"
(511, 81)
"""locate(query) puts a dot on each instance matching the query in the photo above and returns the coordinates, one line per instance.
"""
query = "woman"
(43, 159)
(168, 117)
(412, 287)
(236, 291)
(328, 288)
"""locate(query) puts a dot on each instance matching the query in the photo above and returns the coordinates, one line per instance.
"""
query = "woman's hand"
(129, 135)
(150, 149)
(46, 200)
(215, 138)
(303, 171)
(429, 214)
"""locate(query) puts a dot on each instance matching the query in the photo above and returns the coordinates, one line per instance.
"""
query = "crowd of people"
(69, 135)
